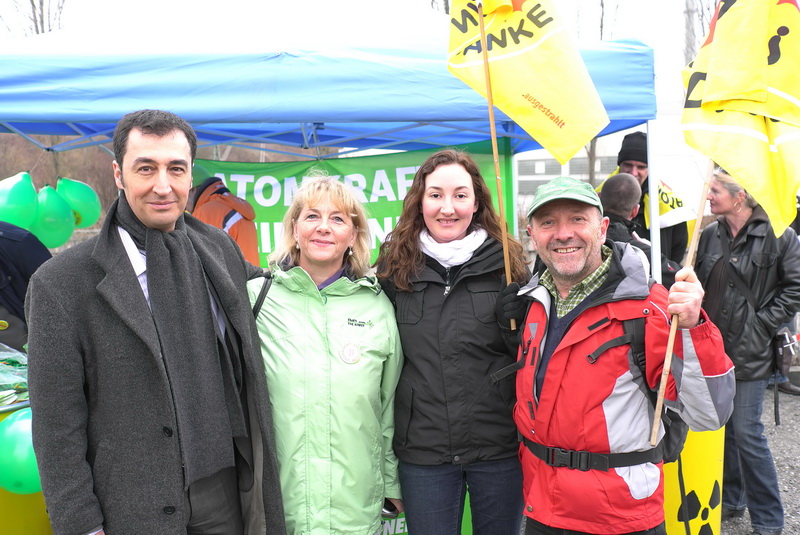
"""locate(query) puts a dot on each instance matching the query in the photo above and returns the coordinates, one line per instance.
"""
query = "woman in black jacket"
(442, 267)
(752, 284)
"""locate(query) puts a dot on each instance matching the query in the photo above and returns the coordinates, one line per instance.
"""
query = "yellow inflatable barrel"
(693, 486)
(22, 513)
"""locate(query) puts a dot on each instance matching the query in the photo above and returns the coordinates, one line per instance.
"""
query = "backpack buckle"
(574, 460)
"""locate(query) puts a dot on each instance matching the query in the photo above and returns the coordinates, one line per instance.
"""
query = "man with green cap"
(211, 202)
(584, 410)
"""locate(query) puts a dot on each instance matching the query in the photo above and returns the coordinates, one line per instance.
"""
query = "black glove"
(510, 306)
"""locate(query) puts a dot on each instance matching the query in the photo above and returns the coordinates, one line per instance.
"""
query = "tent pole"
(493, 128)
(654, 214)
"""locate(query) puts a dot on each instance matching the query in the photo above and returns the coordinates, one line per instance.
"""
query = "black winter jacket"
(447, 407)
(770, 267)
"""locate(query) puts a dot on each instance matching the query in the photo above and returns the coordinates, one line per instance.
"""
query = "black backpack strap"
(635, 329)
(263, 293)
(505, 371)
(614, 342)
(586, 460)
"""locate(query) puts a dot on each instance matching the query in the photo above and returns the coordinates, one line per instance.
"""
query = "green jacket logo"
(358, 323)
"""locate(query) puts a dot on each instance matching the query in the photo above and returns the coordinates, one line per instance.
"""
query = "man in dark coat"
(620, 197)
(21, 253)
(150, 409)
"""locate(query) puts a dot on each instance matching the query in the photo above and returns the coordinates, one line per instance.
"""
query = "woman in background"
(333, 359)
(442, 267)
(752, 284)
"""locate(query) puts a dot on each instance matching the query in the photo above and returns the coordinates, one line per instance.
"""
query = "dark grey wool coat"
(102, 409)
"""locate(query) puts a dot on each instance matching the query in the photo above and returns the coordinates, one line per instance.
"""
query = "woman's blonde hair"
(733, 187)
(313, 191)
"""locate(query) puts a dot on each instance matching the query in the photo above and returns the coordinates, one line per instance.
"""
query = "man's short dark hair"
(155, 122)
(620, 194)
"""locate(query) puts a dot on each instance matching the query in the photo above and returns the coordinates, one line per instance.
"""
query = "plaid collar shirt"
(580, 291)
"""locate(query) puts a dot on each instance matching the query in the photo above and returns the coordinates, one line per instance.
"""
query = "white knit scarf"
(453, 253)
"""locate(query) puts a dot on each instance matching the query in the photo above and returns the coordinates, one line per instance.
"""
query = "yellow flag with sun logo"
(537, 75)
(742, 106)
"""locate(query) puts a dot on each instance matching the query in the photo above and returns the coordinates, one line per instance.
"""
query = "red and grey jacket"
(594, 402)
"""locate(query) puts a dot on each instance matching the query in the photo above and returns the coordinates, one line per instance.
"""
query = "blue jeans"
(749, 477)
(781, 379)
(433, 497)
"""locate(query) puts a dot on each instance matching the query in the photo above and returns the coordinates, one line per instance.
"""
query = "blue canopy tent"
(284, 82)
(347, 97)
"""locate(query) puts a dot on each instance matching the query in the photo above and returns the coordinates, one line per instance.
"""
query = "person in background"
(211, 202)
(583, 404)
(150, 409)
(620, 197)
(752, 282)
(21, 253)
(332, 355)
(632, 159)
(442, 267)
(784, 383)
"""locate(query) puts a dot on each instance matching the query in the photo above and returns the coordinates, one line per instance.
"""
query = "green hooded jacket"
(333, 360)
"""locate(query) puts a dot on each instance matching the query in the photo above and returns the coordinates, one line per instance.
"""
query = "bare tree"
(46, 14)
(591, 148)
(698, 14)
(444, 5)
(39, 16)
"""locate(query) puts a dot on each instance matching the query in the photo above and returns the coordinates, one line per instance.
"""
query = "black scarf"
(181, 307)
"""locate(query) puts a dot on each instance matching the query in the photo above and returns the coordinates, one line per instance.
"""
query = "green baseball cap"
(565, 187)
(200, 174)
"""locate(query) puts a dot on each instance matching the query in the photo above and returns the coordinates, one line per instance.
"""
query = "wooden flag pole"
(499, 182)
(673, 328)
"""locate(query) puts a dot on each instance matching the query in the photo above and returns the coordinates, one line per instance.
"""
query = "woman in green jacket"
(333, 359)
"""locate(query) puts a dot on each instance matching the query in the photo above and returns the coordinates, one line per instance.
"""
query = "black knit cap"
(634, 147)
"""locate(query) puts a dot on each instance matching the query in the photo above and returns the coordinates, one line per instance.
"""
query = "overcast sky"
(639, 19)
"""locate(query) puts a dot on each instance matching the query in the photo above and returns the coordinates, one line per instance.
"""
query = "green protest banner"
(380, 181)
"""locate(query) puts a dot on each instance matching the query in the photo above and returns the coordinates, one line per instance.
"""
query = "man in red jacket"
(583, 407)
(211, 202)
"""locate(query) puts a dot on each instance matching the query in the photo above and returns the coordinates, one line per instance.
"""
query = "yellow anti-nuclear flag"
(537, 75)
(742, 106)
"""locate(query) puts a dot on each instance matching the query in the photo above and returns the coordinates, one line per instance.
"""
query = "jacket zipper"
(447, 281)
(524, 358)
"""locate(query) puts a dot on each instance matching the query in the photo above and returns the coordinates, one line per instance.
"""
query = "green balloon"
(54, 221)
(82, 199)
(18, 200)
(18, 471)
